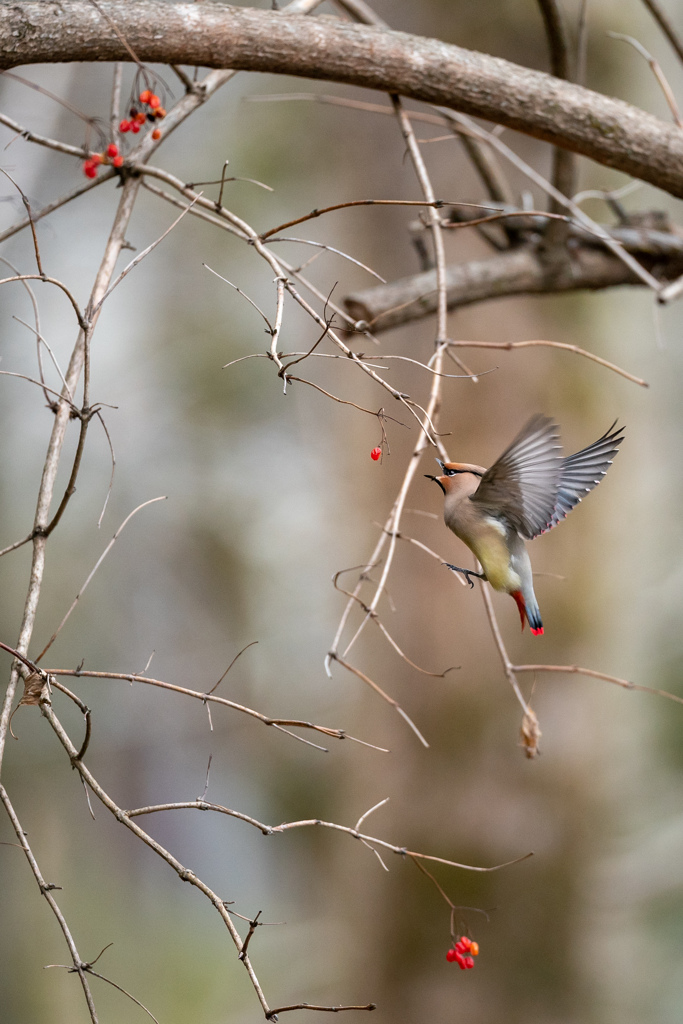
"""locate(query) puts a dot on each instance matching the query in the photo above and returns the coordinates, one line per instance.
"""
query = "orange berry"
(474, 949)
(160, 112)
(145, 96)
(156, 134)
(154, 101)
(118, 161)
(140, 117)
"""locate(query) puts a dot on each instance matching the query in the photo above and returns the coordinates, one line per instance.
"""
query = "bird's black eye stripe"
(450, 472)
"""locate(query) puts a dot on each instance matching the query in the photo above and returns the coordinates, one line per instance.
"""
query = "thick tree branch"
(519, 272)
(211, 35)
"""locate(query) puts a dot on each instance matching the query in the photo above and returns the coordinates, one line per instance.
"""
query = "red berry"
(154, 101)
(156, 134)
(145, 96)
(469, 962)
(461, 947)
(376, 454)
(90, 169)
(450, 956)
(460, 960)
(112, 149)
(135, 127)
(466, 943)
(124, 126)
(118, 161)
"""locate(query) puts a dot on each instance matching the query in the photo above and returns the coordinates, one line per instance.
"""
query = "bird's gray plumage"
(532, 487)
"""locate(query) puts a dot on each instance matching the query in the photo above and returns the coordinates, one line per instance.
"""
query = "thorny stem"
(210, 697)
(46, 889)
(183, 873)
(46, 490)
(287, 826)
(392, 525)
(245, 232)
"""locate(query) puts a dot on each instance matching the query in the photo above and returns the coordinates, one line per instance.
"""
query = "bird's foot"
(466, 572)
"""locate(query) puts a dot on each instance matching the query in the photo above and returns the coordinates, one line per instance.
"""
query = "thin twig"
(378, 689)
(240, 292)
(508, 667)
(238, 655)
(272, 1015)
(563, 174)
(42, 140)
(205, 697)
(50, 280)
(577, 670)
(288, 826)
(338, 252)
(106, 175)
(532, 343)
(138, 259)
(113, 467)
(656, 71)
(41, 341)
(115, 108)
(98, 563)
(46, 890)
(666, 25)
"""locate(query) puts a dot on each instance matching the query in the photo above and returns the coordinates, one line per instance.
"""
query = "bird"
(526, 492)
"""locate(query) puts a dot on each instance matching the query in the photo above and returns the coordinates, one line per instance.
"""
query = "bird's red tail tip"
(536, 632)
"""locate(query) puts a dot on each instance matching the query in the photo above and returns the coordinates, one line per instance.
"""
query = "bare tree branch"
(567, 115)
(519, 272)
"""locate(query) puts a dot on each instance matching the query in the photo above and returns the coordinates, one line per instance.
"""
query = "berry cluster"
(138, 117)
(111, 155)
(376, 454)
(463, 946)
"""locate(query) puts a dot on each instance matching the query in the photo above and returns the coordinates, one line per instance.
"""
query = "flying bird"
(530, 489)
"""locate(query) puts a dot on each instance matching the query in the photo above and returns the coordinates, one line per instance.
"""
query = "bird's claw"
(466, 573)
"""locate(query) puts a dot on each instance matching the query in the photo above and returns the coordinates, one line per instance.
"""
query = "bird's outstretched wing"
(523, 486)
(584, 471)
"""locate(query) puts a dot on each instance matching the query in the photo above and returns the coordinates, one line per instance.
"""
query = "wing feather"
(584, 471)
(532, 488)
(521, 487)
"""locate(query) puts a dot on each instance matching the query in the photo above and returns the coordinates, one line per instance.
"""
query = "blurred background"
(268, 496)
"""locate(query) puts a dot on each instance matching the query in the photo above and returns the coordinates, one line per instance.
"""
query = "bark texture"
(211, 35)
(519, 272)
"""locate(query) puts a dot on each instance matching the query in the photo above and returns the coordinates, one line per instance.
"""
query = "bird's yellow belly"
(492, 551)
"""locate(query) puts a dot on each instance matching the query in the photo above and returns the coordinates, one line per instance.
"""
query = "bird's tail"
(528, 609)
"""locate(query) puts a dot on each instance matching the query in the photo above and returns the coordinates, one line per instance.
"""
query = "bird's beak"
(429, 476)
(441, 464)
